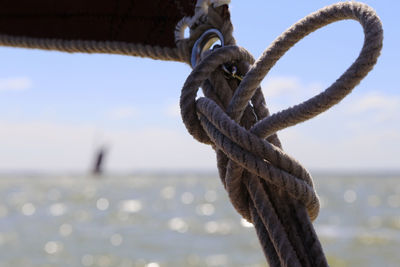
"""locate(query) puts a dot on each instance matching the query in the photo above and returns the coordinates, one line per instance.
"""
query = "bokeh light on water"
(180, 220)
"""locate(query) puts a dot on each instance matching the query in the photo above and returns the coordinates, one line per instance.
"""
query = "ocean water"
(158, 220)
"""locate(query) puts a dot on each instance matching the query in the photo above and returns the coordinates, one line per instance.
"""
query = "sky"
(57, 108)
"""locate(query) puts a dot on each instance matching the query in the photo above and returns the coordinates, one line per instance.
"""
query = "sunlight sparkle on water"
(116, 240)
(350, 196)
(52, 247)
(102, 204)
(152, 264)
(130, 206)
(168, 192)
(205, 209)
(28, 209)
(65, 229)
(178, 224)
(217, 260)
(187, 198)
(211, 227)
(57, 209)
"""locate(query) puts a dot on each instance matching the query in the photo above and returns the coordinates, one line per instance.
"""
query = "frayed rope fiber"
(265, 185)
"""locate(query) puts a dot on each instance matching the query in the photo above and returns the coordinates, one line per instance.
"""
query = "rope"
(179, 53)
(265, 185)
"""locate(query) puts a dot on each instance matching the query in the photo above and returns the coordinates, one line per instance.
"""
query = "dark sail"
(99, 161)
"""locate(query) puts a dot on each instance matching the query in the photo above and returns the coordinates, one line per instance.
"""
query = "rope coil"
(237, 124)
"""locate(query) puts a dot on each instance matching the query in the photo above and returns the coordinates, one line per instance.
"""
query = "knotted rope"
(266, 186)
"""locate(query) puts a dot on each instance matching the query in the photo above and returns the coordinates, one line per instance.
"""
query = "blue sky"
(55, 108)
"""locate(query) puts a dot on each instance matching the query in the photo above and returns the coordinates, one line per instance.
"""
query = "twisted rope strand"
(180, 53)
(286, 253)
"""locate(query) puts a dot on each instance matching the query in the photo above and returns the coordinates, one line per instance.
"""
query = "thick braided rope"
(249, 157)
(180, 53)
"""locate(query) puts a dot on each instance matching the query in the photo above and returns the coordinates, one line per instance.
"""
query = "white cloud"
(158, 148)
(289, 85)
(276, 86)
(173, 110)
(44, 146)
(377, 106)
(282, 92)
(376, 101)
(120, 113)
(362, 151)
(15, 84)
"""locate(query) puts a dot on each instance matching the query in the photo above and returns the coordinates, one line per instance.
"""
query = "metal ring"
(206, 40)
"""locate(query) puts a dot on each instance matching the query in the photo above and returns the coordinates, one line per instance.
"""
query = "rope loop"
(199, 74)
(367, 58)
(247, 148)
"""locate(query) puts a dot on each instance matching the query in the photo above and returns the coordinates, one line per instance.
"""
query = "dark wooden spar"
(104, 26)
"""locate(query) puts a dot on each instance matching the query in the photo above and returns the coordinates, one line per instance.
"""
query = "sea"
(181, 219)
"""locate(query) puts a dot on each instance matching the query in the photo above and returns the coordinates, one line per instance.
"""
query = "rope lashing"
(250, 156)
